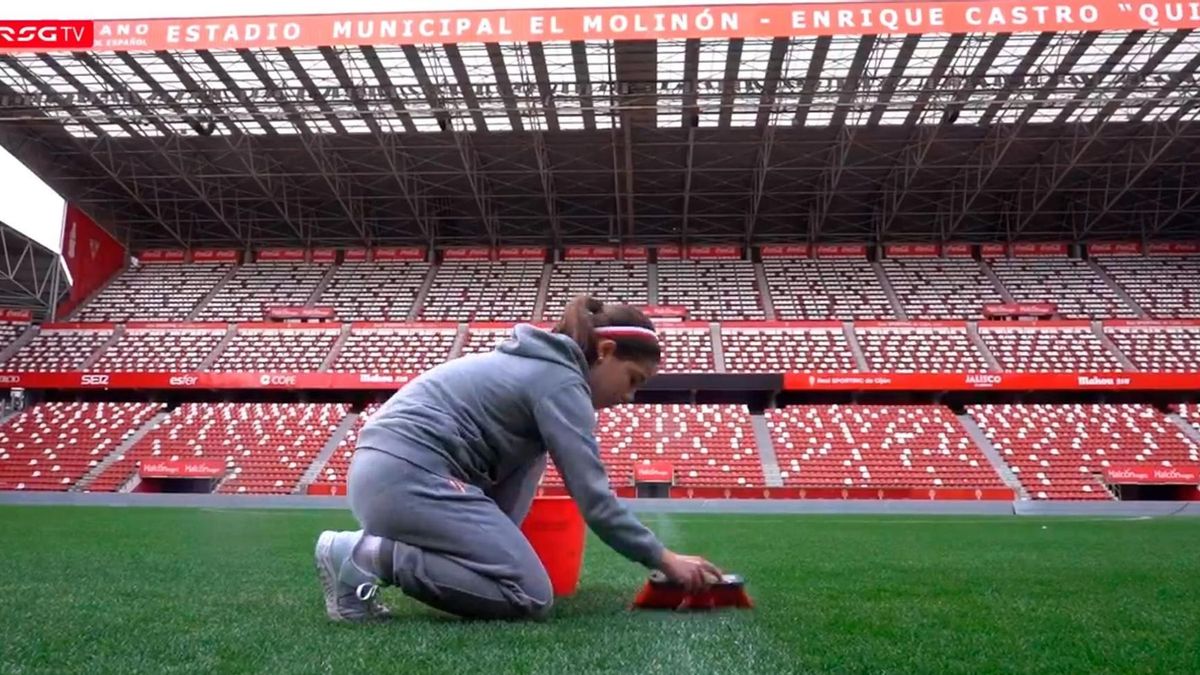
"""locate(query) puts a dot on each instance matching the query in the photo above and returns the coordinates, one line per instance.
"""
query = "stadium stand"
(481, 291)
(266, 446)
(50, 446)
(481, 340)
(1071, 284)
(920, 350)
(1167, 288)
(394, 350)
(1047, 349)
(1159, 349)
(613, 282)
(825, 289)
(710, 289)
(153, 293)
(374, 291)
(884, 446)
(1190, 412)
(932, 288)
(338, 465)
(781, 350)
(158, 350)
(686, 350)
(273, 349)
(1060, 451)
(707, 445)
(10, 333)
(257, 286)
(58, 350)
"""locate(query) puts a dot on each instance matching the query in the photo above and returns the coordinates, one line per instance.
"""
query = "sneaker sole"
(327, 574)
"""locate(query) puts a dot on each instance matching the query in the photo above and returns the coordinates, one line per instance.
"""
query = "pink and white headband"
(627, 333)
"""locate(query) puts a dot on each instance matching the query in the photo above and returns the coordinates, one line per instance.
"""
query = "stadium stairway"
(212, 293)
(890, 291)
(1116, 288)
(116, 336)
(82, 484)
(336, 350)
(230, 333)
(766, 450)
(25, 338)
(1188, 429)
(651, 284)
(422, 293)
(718, 351)
(539, 305)
(991, 274)
(314, 469)
(1098, 329)
(859, 357)
(998, 464)
(973, 333)
(321, 286)
(764, 291)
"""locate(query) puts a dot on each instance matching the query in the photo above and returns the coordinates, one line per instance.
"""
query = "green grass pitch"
(94, 590)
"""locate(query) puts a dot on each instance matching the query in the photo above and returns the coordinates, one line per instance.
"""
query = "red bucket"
(557, 533)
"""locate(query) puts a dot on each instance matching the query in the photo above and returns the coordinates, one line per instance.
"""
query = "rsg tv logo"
(54, 35)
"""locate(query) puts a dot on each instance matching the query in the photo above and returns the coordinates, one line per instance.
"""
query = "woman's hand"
(692, 572)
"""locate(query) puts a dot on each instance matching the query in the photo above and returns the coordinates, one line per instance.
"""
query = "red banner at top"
(208, 255)
(468, 254)
(634, 253)
(608, 23)
(993, 250)
(521, 253)
(913, 251)
(591, 253)
(785, 251)
(356, 255)
(162, 255)
(324, 255)
(1039, 250)
(1174, 248)
(406, 253)
(670, 252)
(281, 255)
(841, 251)
(958, 250)
(1115, 248)
(16, 315)
(714, 252)
(290, 312)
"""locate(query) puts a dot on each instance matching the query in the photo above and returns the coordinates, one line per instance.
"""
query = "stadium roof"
(31, 276)
(739, 135)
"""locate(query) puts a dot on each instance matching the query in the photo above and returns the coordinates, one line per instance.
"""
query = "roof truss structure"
(966, 136)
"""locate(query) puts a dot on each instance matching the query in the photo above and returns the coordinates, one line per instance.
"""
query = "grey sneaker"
(350, 593)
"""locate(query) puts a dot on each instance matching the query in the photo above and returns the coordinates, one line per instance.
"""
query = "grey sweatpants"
(454, 547)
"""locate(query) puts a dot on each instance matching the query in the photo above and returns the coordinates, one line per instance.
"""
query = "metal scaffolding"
(966, 137)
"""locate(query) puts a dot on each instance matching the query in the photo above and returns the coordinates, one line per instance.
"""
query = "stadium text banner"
(16, 315)
(182, 468)
(1135, 474)
(607, 23)
(654, 472)
(1124, 381)
(204, 380)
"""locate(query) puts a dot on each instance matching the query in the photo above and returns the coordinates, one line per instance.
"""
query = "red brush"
(661, 593)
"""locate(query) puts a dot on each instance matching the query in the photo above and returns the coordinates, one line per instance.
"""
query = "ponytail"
(585, 314)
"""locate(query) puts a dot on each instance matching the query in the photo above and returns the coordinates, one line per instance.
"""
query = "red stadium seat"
(825, 289)
(58, 350)
(934, 288)
(781, 350)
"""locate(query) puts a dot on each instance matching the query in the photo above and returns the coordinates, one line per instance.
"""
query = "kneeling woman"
(445, 472)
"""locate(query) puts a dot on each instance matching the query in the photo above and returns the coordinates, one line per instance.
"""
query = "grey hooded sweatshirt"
(489, 416)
